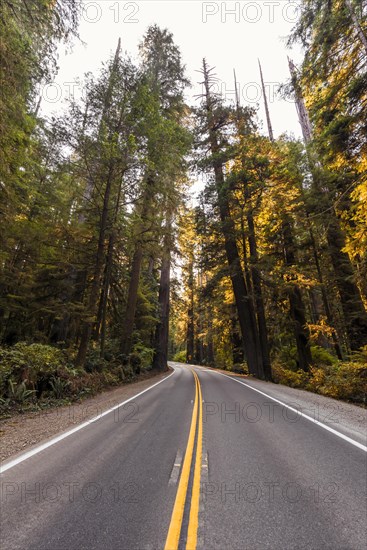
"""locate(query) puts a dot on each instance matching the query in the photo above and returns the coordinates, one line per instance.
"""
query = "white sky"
(254, 29)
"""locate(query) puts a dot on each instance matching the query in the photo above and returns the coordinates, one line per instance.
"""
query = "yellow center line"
(192, 533)
(174, 531)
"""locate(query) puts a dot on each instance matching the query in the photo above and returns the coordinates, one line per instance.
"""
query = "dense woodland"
(108, 269)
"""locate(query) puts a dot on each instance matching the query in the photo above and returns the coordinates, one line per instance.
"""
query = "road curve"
(198, 461)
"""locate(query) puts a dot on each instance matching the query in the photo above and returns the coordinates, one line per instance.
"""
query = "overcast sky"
(229, 34)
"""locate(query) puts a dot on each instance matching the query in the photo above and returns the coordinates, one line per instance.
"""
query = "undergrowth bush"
(338, 379)
(180, 356)
(288, 377)
(38, 375)
(145, 355)
(240, 368)
(320, 356)
(33, 366)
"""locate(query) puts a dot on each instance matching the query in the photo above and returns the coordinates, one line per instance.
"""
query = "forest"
(108, 269)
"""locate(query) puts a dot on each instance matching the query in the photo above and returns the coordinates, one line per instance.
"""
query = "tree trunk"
(245, 316)
(128, 326)
(246, 262)
(259, 300)
(190, 334)
(94, 292)
(237, 348)
(105, 292)
(200, 347)
(132, 299)
(325, 300)
(97, 325)
(211, 357)
(354, 313)
(297, 308)
(162, 330)
(242, 297)
(357, 25)
(100, 329)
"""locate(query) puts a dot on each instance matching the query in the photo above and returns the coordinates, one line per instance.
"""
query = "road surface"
(199, 460)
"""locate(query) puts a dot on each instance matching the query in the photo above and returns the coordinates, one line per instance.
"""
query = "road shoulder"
(21, 432)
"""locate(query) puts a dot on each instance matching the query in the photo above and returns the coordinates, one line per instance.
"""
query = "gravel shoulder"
(346, 418)
(23, 431)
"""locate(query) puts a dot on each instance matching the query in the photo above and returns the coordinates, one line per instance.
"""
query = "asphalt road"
(194, 462)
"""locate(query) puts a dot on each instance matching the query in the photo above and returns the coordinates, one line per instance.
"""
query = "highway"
(199, 460)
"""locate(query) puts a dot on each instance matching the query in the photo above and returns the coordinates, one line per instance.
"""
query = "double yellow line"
(174, 531)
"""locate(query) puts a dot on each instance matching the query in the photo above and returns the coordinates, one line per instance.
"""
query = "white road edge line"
(321, 424)
(36, 450)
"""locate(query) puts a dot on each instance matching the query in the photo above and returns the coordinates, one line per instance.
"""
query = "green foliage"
(37, 375)
(287, 356)
(145, 355)
(33, 365)
(240, 368)
(110, 378)
(180, 356)
(333, 81)
(292, 378)
(128, 373)
(59, 387)
(338, 379)
(19, 392)
(320, 356)
(94, 362)
(30, 32)
(346, 380)
(135, 362)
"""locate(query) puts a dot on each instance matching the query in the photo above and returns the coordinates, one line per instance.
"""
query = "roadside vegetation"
(107, 269)
(328, 376)
(37, 376)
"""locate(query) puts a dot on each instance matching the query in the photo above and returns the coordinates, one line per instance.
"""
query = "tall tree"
(111, 164)
(214, 117)
(162, 330)
(164, 81)
(335, 62)
(252, 180)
